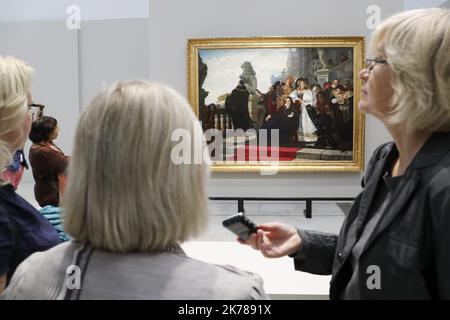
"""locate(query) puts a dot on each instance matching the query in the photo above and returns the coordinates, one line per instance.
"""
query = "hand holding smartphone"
(240, 225)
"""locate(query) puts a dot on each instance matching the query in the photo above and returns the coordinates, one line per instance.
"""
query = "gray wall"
(172, 22)
(71, 66)
(52, 50)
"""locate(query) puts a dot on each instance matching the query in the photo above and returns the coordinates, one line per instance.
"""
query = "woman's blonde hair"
(15, 81)
(416, 44)
(124, 192)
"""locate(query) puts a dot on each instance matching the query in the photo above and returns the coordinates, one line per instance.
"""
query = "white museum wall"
(172, 22)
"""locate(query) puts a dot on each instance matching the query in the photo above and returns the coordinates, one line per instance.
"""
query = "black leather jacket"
(411, 244)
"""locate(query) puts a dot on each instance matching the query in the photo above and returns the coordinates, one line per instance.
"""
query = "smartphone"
(240, 225)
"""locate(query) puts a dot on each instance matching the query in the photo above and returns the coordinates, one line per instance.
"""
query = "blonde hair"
(416, 44)
(15, 81)
(124, 192)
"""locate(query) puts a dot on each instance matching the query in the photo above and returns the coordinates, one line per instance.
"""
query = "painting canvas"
(289, 101)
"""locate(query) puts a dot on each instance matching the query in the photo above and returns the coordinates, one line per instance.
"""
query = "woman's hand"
(275, 240)
(268, 117)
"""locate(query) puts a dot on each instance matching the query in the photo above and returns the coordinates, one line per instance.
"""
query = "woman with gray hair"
(395, 241)
(129, 204)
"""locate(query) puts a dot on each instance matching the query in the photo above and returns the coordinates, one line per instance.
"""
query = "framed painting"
(279, 104)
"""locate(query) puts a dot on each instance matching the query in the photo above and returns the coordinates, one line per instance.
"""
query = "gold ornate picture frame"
(306, 89)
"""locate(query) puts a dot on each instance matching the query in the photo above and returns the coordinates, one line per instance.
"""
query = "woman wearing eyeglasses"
(395, 241)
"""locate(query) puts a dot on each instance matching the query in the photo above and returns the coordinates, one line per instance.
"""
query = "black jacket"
(411, 244)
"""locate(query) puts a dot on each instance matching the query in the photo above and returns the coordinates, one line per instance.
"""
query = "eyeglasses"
(371, 62)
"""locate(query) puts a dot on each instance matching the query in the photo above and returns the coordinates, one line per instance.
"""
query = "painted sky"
(224, 68)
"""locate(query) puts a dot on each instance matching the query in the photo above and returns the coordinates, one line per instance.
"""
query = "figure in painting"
(236, 105)
(304, 96)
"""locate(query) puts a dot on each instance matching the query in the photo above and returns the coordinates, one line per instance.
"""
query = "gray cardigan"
(105, 275)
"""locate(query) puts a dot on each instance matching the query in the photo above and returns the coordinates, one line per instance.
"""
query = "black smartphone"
(240, 225)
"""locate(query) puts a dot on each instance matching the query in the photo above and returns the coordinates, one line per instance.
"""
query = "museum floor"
(218, 245)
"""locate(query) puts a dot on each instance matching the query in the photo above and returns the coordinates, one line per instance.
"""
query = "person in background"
(47, 161)
(129, 223)
(55, 216)
(23, 230)
(395, 241)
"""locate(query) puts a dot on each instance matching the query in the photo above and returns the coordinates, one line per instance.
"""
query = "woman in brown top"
(47, 161)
